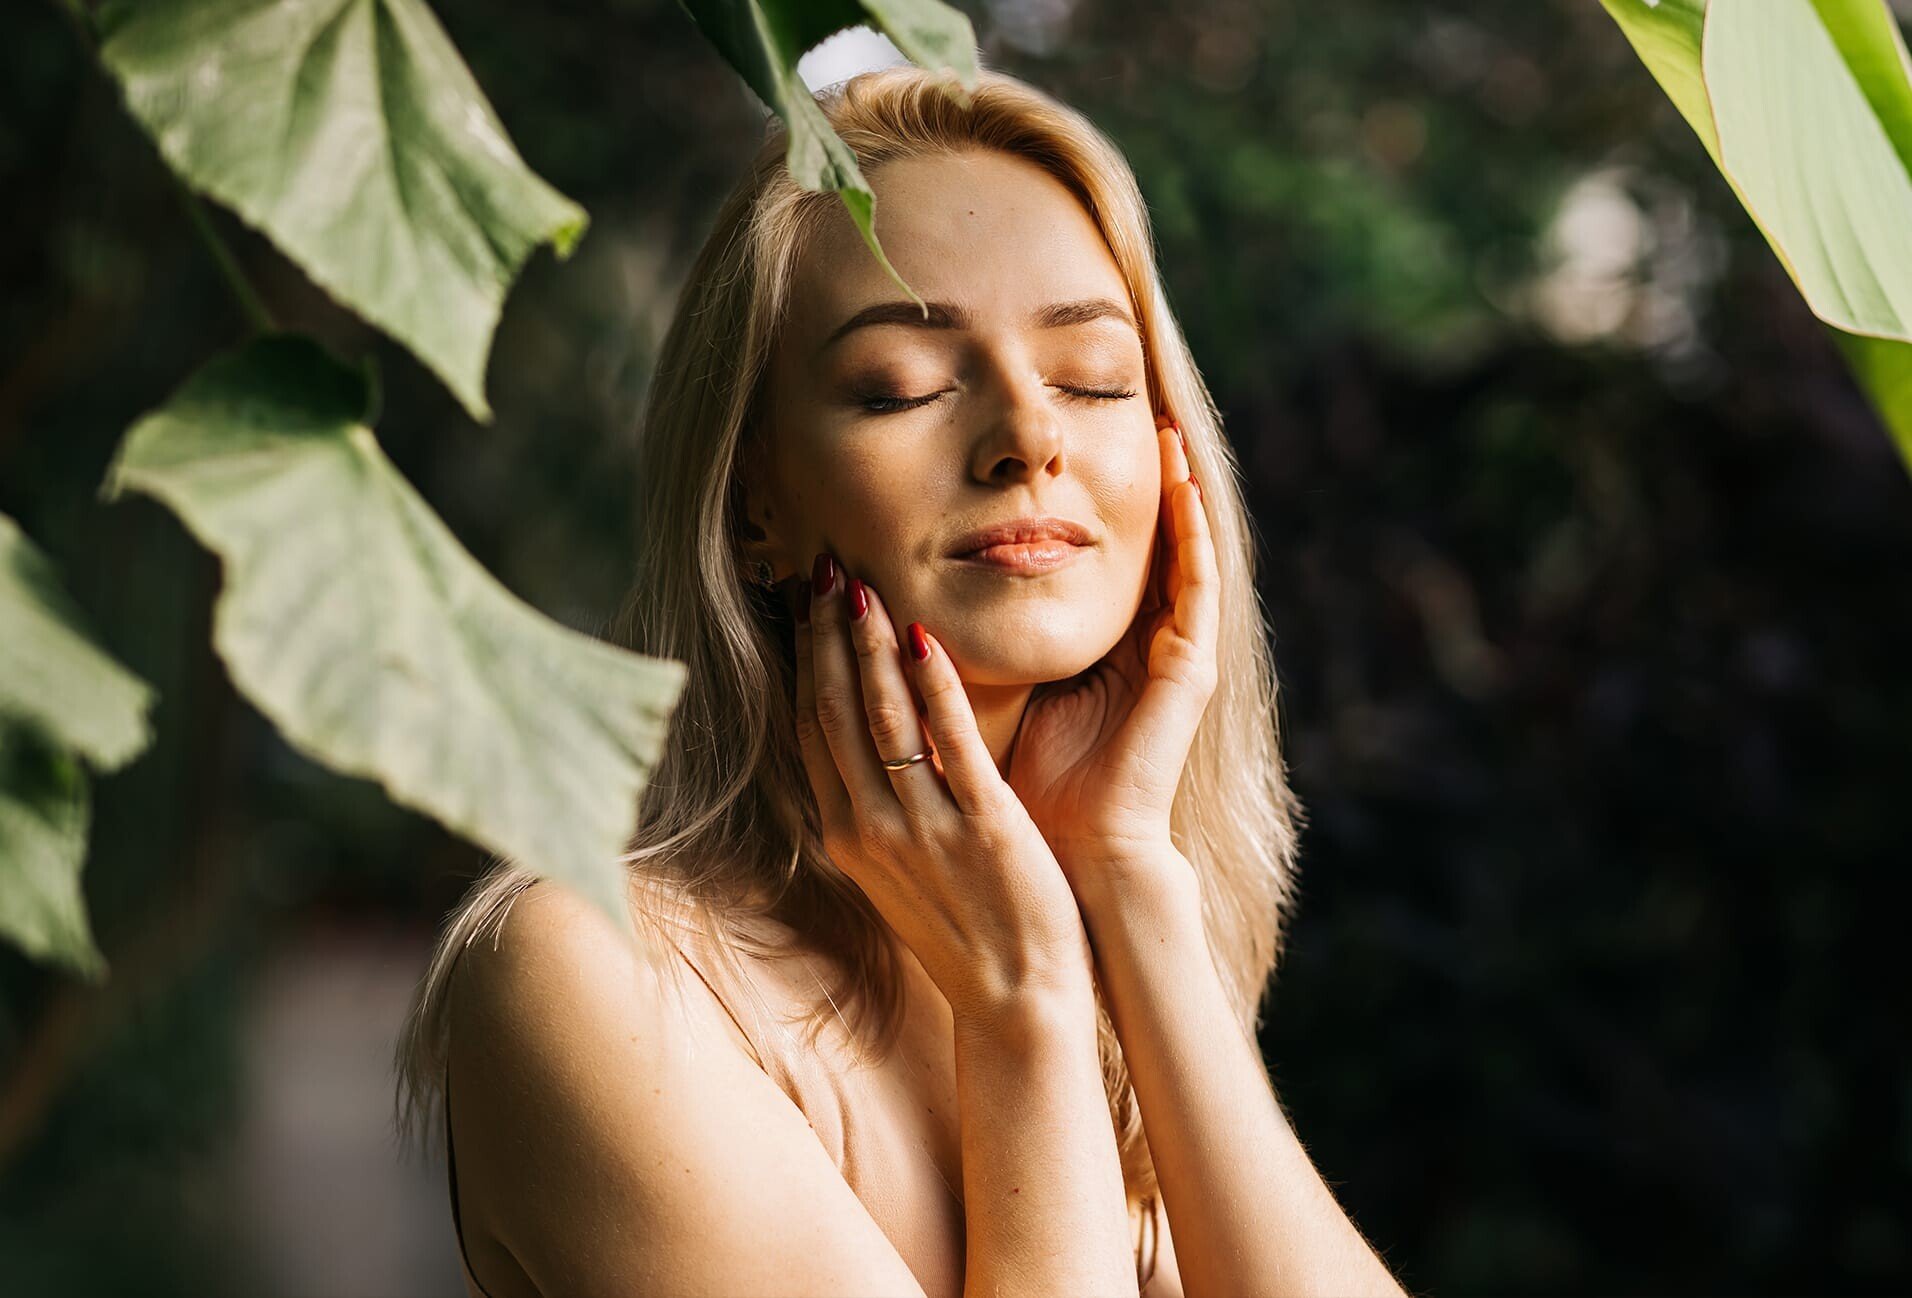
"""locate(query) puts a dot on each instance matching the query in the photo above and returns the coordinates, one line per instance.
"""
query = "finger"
(1175, 470)
(839, 703)
(974, 781)
(895, 721)
(1194, 574)
(833, 799)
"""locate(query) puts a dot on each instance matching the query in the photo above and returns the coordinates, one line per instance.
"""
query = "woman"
(975, 781)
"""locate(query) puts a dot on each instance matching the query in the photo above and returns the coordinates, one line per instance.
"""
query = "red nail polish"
(919, 643)
(1198, 483)
(859, 600)
(823, 575)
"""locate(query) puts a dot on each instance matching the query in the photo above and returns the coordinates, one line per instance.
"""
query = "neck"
(998, 710)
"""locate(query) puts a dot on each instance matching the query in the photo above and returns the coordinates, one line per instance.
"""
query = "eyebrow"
(947, 315)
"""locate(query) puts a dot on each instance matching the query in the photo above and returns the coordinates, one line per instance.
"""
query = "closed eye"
(879, 404)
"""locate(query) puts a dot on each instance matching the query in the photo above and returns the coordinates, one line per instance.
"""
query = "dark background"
(1587, 567)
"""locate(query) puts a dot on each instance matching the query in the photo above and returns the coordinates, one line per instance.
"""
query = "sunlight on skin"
(887, 492)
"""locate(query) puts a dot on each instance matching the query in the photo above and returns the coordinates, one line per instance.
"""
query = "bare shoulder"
(617, 1139)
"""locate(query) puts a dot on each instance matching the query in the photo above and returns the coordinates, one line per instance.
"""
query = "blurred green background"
(1589, 571)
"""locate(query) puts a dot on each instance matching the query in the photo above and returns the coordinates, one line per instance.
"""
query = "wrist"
(1146, 877)
(1026, 1016)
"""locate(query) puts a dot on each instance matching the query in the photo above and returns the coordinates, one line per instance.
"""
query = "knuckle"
(871, 640)
(921, 826)
(809, 729)
(833, 713)
(935, 687)
(888, 721)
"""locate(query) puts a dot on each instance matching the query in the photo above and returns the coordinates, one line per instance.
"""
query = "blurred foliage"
(1586, 562)
(354, 137)
(61, 700)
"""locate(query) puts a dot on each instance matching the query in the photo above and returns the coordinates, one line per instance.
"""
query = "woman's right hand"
(950, 859)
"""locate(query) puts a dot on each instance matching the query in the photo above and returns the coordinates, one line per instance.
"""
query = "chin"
(1030, 646)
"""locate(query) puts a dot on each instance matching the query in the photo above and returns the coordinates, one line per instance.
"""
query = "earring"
(761, 573)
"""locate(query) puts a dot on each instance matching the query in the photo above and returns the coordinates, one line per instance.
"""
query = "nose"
(1022, 437)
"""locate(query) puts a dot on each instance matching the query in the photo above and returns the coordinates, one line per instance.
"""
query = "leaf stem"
(247, 297)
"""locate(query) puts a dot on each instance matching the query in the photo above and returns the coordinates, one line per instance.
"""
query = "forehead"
(986, 230)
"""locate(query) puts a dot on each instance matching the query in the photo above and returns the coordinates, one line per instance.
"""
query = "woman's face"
(892, 439)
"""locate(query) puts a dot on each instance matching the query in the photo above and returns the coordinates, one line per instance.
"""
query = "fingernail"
(823, 576)
(1198, 483)
(859, 600)
(919, 643)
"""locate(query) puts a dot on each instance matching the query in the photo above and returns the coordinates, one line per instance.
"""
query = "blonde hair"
(727, 825)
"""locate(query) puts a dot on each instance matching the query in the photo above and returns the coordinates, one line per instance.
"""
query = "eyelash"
(885, 405)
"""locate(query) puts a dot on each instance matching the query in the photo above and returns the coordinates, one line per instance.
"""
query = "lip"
(1023, 544)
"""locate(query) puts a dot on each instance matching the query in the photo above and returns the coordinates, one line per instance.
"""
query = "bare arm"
(962, 876)
(1098, 765)
(1042, 1182)
(1249, 1211)
(618, 1141)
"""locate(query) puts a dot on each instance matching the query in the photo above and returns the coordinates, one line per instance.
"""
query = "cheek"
(1131, 502)
(855, 493)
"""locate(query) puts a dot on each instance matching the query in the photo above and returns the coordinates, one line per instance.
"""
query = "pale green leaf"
(44, 808)
(1808, 152)
(352, 618)
(352, 134)
(1666, 36)
(764, 39)
(1873, 47)
(52, 676)
(1816, 99)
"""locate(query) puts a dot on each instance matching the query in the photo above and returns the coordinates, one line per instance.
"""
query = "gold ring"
(901, 762)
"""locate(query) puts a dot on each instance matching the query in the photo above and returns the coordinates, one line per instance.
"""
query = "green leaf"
(52, 676)
(1874, 50)
(1666, 36)
(60, 695)
(353, 135)
(1884, 370)
(352, 618)
(1806, 107)
(44, 808)
(1802, 142)
(764, 39)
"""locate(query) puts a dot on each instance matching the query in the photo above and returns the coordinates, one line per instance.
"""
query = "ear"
(759, 521)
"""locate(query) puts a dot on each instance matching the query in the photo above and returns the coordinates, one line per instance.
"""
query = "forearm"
(1248, 1211)
(1045, 1206)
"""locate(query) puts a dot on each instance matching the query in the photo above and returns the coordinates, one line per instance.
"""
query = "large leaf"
(44, 808)
(60, 695)
(1884, 369)
(52, 676)
(1817, 100)
(1666, 36)
(352, 134)
(764, 39)
(1804, 143)
(1873, 47)
(352, 618)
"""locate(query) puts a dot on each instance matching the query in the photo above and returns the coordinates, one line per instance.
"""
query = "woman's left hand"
(1098, 758)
